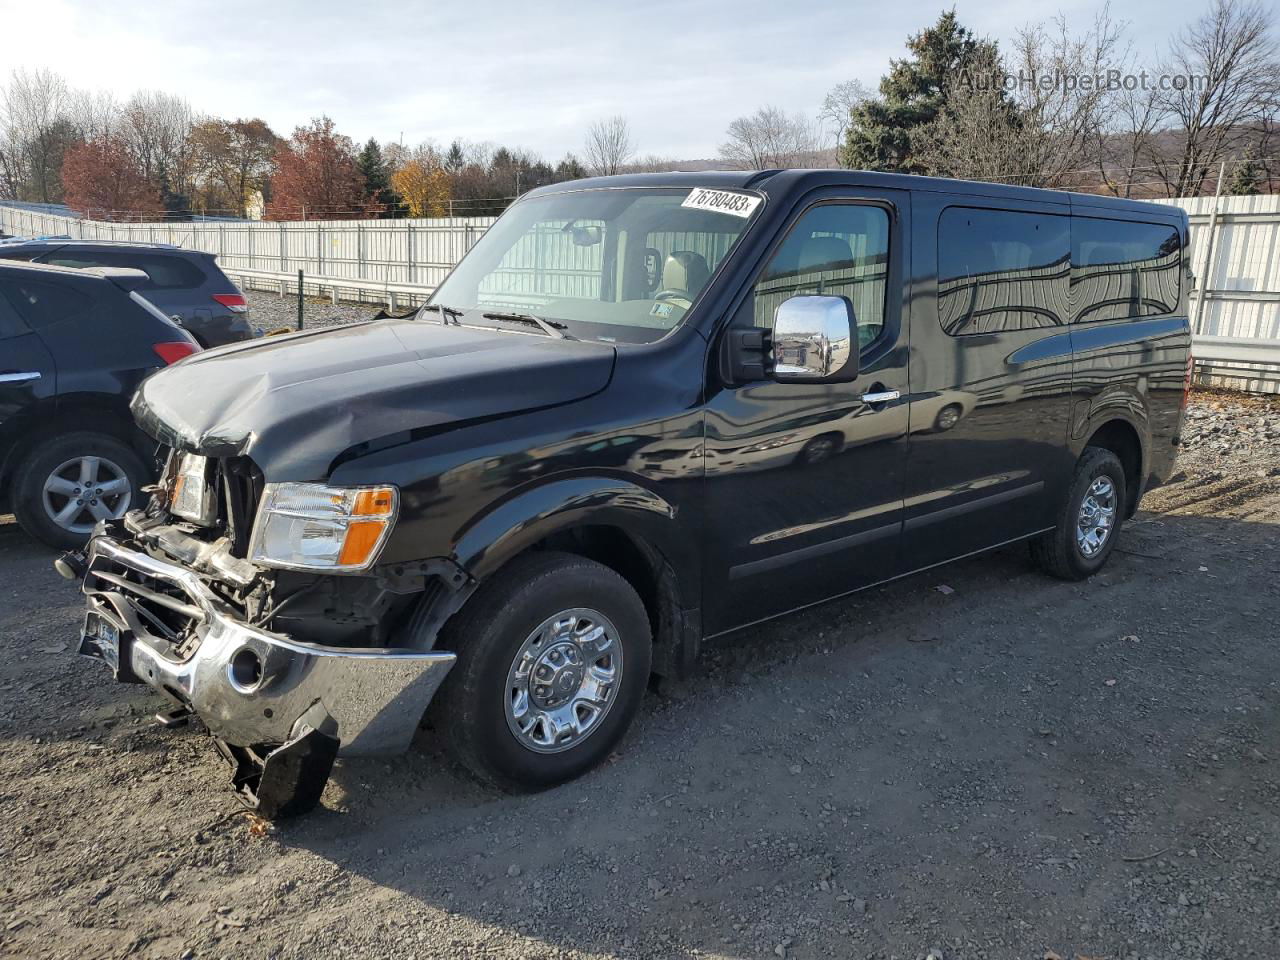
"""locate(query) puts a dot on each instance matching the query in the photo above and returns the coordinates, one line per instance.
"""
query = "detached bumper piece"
(281, 710)
(286, 781)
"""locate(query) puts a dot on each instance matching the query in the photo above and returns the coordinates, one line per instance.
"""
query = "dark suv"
(642, 411)
(74, 345)
(186, 285)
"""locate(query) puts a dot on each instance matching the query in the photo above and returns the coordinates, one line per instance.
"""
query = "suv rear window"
(165, 273)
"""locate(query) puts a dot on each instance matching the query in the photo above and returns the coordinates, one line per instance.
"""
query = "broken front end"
(286, 667)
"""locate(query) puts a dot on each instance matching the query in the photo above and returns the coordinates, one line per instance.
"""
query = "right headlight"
(311, 526)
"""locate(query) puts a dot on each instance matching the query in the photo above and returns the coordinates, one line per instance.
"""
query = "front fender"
(531, 514)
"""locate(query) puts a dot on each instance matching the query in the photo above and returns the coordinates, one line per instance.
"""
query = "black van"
(642, 411)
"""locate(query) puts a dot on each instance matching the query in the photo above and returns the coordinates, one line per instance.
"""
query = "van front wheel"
(1089, 520)
(553, 660)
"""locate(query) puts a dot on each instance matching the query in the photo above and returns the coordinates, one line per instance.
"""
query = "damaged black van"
(642, 411)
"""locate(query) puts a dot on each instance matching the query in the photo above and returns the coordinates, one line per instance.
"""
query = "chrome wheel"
(1097, 517)
(85, 490)
(563, 680)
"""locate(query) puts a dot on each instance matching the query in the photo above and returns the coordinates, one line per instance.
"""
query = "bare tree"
(838, 105)
(1061, 98)
(770, 138)
(1224, 77)
(34, 133)
(977, 134)
(1137, 115)
(608, 146)
(94, 113)
(156, 127)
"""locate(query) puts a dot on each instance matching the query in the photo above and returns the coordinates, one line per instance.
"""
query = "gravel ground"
(268, 312)
(1010, 767)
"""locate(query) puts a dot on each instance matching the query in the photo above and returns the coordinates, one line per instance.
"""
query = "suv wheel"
(1089, 521)
(553, 661)
(64, 486)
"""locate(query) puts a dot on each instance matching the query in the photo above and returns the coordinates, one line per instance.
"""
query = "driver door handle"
(23, 377)
(881, 396)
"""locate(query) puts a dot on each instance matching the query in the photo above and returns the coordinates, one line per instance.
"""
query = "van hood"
(295, 403)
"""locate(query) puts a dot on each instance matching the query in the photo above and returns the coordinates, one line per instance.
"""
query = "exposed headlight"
(193, 497)
(309, 526)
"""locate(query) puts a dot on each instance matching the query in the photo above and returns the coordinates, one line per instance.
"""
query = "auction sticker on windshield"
(722, 201)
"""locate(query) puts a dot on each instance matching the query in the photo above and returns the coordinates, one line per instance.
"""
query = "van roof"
(791, 181)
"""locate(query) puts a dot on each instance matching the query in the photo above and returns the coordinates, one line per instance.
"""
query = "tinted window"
(839, 250)
(1121, 269)
(165, 273)
(1001, 270)
(44, 304)
(11, 324)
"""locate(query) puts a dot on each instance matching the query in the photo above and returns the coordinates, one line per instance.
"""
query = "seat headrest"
(825, 253)
(685, 270)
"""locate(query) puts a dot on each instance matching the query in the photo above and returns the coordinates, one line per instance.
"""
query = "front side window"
(1001, 270)
(1121, 269)
(611, 264)
(835, 249)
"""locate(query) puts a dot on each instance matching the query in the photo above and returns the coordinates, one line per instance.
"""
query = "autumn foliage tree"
(423, 186)
(316, 176)
(103, 180)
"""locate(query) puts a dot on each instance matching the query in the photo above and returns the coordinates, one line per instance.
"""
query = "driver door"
(804, 481)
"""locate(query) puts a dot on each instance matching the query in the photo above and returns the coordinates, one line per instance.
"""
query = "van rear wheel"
(1089, 520)
(553, 661)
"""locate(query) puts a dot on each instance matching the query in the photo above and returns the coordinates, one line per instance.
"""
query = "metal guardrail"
(393, 295)
(1254, 361)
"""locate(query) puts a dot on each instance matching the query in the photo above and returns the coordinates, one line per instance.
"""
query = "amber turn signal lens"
(378, 502)
(362, 537)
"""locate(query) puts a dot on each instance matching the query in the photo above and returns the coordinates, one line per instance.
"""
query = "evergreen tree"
(1246, 181)
(376, 179)
(911, 96)
(455, 159)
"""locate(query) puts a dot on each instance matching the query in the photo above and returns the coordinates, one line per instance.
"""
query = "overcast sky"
(531, 73)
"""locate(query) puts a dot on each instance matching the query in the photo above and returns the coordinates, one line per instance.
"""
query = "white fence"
(417, 251)
(1235, 255)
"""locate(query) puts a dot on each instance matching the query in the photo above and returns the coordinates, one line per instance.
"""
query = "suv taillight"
(1186, 378)
(174, 351)
(234, 302)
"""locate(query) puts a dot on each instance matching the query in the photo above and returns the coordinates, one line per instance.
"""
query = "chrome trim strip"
(946, 513)
(23, 377)
(814, 550)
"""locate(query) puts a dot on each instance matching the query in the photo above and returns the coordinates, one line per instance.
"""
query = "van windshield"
(621, 264)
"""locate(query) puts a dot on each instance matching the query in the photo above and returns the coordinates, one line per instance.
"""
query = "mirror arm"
(748, 355)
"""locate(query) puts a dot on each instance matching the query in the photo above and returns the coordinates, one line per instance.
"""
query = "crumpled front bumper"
(258, 692)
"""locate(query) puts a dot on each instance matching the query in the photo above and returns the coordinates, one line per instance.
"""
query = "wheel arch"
(105, 413)
(1124, 439)
(629, 528)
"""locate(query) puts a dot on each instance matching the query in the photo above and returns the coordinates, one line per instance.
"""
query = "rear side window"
(1002, 270)
(1121, 269)
(11, 325)
(44, 304)
(165, 273)
(835, 249)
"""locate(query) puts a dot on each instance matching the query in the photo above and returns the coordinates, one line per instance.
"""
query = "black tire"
(40, 463)
(487, 634)
(1058, 552)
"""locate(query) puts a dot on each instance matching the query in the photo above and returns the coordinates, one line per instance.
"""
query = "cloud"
(503, 71)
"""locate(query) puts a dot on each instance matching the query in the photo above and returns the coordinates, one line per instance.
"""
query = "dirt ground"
(1007, 767)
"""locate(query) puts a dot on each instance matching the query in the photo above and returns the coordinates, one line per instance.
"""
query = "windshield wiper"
(551, 328)
(446, 313)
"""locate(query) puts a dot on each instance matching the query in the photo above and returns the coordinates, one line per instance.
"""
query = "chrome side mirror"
(814, 339)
